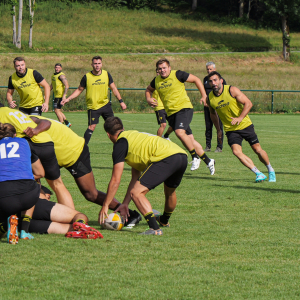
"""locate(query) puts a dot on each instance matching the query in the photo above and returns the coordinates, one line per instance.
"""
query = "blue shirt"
(15, 159)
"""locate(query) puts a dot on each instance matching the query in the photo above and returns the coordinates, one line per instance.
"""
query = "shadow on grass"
(218, 40)
(287, 173)
(106, 168)
(208, 177)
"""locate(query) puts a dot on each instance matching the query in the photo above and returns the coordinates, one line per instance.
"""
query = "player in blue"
(19, 190)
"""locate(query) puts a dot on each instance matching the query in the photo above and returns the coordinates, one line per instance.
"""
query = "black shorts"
(56, 103)
(16, 196)
(182, 120)
(82, 165)
(35, 111)
(161, 116)
(169, 170)
(46, 154)
(237, 136)
(105, 112)
(41, 219)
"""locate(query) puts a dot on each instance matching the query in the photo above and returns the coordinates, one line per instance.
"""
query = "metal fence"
(264, 101)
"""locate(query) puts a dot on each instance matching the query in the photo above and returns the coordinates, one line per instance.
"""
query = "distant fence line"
(273, 101)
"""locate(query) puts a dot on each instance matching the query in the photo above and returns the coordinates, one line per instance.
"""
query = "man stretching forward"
(233, 107)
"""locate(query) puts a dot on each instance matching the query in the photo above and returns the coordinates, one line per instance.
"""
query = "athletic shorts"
(46, 154)
(169, 170)
(182, 120)
(237, 136)
(161, 116)
(16, 196)
(56, 103)
(35, 111)
(94, 115)
(82, 165)
(41, 219)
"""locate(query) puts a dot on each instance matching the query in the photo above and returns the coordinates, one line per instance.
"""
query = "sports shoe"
(207, 149)
(272, 177)
(91, 235)
(77, 226)
(168, 139)
(260, 177)
(26, 235)
(160, 223)
(218, 150)
(151, 231)
(69, 125)
(12, 230)
(134, 219)
(195, 163)
(211, 167)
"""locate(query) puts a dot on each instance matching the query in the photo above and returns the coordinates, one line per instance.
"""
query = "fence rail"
(263, 100)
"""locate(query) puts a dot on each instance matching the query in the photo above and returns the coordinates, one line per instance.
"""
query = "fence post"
(272, 102)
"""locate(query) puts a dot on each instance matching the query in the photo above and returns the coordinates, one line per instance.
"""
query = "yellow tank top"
(67, 144)
(58, 86)
(228, 107)
(96, 90)
(28, 89)
(21, 121)
(172, 93)
(145, 149)
(160, 105)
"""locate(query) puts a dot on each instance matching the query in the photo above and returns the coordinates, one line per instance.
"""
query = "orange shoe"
(12, 230)
(77, 226)
(91, 235)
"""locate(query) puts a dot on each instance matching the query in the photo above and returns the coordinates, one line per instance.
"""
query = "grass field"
(229, 237)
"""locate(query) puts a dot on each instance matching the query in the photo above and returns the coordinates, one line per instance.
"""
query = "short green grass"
(229, 237)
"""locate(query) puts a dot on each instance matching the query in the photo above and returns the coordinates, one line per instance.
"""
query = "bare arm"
(151, 101)
(43, 125)
(243, 99)
(115, 91)
(46, 87)
(75, 94)
(9, 98)
(38, 170)
(194, 79)
(64, 80)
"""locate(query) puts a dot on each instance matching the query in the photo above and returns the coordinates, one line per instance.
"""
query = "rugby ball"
(113, 222)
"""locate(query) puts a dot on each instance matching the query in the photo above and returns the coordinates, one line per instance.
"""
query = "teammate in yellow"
(42, 145)
(27, 82)
(73, 154)
(96, 83)
(60, 88)
(171, 89)
(232, 107)
(158, 160)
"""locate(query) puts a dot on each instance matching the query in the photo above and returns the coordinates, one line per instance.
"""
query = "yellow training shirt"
(172, 93)
(57, 85)
(96, 90)
(28, 89)
(21, 121)
(67, 144)
(160, 105)
(145, 149)
(228, 107)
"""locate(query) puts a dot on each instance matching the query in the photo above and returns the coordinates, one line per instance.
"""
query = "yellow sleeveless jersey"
(28, 89)
(21, 121)
(172, 93)
(96, 90)
(58, 86)
(67, 144)
(228, 107)
(160, 105)
(145, 149)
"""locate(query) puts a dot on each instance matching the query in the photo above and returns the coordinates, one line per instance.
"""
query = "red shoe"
(91, 235)
(77, 226)
(12, 231)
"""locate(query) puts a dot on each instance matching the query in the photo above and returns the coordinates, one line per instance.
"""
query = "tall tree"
(194, 4)
(18, 43)
(31, 14)
(241, 8)
(13, 4)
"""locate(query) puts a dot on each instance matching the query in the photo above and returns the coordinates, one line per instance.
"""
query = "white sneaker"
(211, 167)
(195, 164)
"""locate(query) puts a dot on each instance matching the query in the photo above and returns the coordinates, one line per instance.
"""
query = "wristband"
(121, 101)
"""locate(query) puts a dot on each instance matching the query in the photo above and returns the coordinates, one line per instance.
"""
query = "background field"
(229, 237)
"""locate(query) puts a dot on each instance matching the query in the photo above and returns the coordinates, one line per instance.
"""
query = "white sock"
(270, 169)
(255, 170)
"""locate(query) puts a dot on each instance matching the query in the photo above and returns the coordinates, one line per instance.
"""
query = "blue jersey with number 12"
(15, 159)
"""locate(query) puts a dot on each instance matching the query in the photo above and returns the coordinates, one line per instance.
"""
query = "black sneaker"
(134, 219)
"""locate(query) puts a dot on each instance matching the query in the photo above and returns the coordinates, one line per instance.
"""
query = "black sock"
(80, 221)
(194, 154)
(205, 158)
(66, 122)
(166, 135)
(87, 135)
(25, 222)
(165, 217)
(150, 218)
